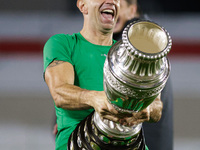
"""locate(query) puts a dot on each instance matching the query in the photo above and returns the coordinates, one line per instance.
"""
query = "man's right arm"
(59, 77)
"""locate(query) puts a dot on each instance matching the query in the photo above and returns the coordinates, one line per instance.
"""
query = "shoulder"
(65, 40)
(62, 37)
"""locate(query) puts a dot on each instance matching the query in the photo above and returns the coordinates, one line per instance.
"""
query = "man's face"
(103, 14)
(126, 13)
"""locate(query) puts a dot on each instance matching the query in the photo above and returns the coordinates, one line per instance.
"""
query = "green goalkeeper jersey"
(88, 62)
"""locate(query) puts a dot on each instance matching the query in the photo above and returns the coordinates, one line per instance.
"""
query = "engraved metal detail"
(125, 90)
(113, 129)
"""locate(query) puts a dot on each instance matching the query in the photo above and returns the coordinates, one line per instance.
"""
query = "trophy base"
(86, 136)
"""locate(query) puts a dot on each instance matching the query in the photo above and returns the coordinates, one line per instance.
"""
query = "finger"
(136, 119)
(124, 115)
(141, 116)
(144, 114)
(111, 118)
(132, 122)
(105, 112)
(112, 109)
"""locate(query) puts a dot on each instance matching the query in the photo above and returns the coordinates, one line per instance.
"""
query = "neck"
(97, 37)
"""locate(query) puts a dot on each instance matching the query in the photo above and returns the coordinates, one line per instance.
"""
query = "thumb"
(112, 109)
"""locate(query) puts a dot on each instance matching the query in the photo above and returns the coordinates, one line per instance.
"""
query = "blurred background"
(26, 107)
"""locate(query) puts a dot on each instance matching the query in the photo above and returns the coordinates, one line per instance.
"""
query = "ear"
(82, 6)
(132, 11)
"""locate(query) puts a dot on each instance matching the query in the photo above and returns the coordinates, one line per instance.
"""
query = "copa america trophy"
(135, 72)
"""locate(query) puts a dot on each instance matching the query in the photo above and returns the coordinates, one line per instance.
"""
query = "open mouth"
(108, 14)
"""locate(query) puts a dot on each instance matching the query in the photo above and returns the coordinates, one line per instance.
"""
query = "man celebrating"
(73, 71)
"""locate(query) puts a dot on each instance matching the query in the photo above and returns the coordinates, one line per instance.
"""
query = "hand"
(104, 108)
(107, 111)
(152, 113)
(136, 118)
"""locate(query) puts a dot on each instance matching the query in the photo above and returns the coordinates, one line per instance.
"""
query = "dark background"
(149, 6)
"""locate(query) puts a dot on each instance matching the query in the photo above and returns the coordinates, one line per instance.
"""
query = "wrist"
(88, 97)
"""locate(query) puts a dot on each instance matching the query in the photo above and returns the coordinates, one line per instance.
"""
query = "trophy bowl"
(136, 68)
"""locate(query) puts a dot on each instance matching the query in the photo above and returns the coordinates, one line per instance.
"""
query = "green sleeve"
(58, 47)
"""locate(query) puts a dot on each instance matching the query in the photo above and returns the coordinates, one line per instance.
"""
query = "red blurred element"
(21, 46)
(185, 48)
(36, 46)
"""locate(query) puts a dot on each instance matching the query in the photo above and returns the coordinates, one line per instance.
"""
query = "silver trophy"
(135, 72)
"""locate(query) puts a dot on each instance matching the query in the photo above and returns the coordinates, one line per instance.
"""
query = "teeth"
(108, 11)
